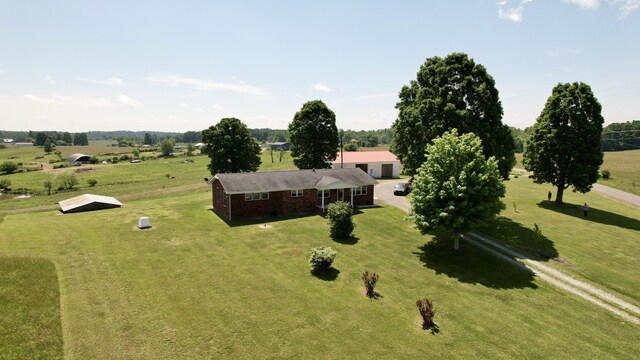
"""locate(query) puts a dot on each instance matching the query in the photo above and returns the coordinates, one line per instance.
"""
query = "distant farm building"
(262, 194)
(79, 159)
(88, 202)
(378, 164)
(7, 141)
(198, 145)
(23, 144)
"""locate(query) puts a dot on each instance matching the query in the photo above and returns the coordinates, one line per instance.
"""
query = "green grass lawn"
(603, 247)
(30, 301)
(196, 287)
(625, 170)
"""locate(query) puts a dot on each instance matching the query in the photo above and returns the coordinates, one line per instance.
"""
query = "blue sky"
(184, 65)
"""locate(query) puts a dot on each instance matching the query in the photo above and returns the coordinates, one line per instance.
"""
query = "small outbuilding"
(78, 159)
(280, 145)
(378, 164)
(88, 202)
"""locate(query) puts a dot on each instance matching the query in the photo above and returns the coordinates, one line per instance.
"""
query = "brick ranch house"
(260, 194)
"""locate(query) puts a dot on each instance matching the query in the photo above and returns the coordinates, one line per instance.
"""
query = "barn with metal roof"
(88, 202)
(78, 158)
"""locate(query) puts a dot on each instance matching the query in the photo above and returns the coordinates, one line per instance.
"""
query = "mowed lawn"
(603, 248)
(196, 287)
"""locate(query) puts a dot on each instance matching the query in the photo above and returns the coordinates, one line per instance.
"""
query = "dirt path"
(619, 195)
(586, 291)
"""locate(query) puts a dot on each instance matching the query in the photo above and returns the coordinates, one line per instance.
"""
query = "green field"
(623, 165)
(195, 286)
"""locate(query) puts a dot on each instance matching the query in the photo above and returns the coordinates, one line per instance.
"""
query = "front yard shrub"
(425, 306)
(370, 280)
(92, 182)
(606, 174)
(322, 257)
(340, 220)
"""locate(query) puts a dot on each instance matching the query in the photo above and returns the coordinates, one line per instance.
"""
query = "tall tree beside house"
(314, 136)
(231, 147)
(564, 146)
(451, 92)
(456, 188)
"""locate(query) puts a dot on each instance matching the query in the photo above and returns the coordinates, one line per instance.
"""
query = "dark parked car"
(402, 188)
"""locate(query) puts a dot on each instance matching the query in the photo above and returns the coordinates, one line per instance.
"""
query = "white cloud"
(515, 13)
(627, 7)
(216, 107)
(127, 101)
(184, 105)
(512, 14)
(321, 87)
(585, 4)
(2, 72)
(114, 81)
(206, 85)
(77, 101)
(50, 79)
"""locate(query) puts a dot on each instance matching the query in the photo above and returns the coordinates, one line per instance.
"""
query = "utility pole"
(341, 148)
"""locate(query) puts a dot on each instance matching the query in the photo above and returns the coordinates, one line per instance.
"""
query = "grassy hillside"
(196, 287)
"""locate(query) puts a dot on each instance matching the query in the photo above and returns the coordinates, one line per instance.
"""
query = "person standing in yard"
(549, 196)
(585, 209)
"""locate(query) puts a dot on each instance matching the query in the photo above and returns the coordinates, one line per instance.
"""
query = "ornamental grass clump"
(321, 258)
(370, 280)
(425, 306)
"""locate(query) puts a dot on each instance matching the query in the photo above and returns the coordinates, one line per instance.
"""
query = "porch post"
(322, 200)
(351, 198)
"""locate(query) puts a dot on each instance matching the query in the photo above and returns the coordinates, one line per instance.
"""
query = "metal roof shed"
(88, 202)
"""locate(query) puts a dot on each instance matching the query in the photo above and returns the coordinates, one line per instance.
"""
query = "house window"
(323, 193)
(341, 194)
(361, 190)
(256, 196)
(297, 193)
(224, 198)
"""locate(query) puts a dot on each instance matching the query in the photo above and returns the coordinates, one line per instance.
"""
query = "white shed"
(378, 164)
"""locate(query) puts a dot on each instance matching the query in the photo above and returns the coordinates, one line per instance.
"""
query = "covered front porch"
(331, 190)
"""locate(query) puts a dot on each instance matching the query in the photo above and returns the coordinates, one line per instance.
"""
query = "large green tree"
(231, 147)
(314, 136)
(457, 187)
(451, 92)
(564, 146)
(80, 139)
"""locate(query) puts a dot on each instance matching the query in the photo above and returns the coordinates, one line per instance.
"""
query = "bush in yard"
(67, 181)
(340, 220)
(48, 185)
(322, 257)
(606, 174)
(92, 182)
(425, 306)
(5, 184)
(8, 167)
(370, 280)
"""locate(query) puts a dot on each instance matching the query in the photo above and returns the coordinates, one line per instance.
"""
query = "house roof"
(253, 182)
(360, 157)
(88, 202)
